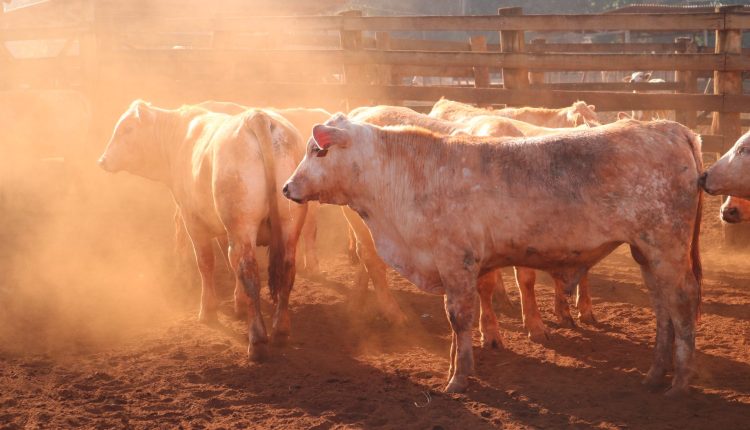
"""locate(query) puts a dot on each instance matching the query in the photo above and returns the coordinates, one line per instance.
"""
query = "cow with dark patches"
(443, 212)
(224, 173)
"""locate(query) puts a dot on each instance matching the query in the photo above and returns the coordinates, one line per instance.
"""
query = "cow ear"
(647, 76)
(627, 79)
(143, 111)
(326, 136)
(592, 107)
(622, 115)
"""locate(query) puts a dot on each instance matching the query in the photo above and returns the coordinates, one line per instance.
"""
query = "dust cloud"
(86, 258)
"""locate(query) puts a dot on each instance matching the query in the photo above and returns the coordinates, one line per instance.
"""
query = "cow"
(224, 172)
(303, 119)
(489, 125)
(579, 113)
(445, 210)
(728, 176)
(360, 242)
(645, 77)
(735, 210)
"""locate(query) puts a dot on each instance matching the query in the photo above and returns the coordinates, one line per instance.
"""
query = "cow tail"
(260, 124)
(695, 253)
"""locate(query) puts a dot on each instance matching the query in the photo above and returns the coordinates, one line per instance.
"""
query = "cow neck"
(170, 133)
(403, 164)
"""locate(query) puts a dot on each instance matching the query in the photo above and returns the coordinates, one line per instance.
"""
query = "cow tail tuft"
(260, 124)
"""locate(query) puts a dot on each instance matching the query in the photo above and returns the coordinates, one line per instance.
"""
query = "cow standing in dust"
(224, 173)
(444, 212)
(495, 126)
(531, 121)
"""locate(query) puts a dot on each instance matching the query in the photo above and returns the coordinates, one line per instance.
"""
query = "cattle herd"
(447, 200)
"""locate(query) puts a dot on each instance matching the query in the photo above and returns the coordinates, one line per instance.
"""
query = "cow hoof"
(457, 385)
(567, 322)
(653, 380)
(492, 341)
(280, 339)
(258, 353)
(587, 318)
(208, 317)
(397, 319)
(677, 392)
(492, 344)
(539, 336)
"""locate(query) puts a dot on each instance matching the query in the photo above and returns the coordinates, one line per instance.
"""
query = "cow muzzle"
(286, 191)
(702, 180)
(102, 162)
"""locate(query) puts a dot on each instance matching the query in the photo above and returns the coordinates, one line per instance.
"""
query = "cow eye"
(744, 150)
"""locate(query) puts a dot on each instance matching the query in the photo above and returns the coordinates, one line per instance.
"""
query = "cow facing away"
(735, 210)
(442, 212)
(224, 173)
(729, 176)
(303, 119)
(577, 114)
(371, 267)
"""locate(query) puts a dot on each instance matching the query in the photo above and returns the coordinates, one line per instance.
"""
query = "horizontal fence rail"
(352, 60)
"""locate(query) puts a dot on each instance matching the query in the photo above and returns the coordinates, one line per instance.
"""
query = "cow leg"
(204, 256)
(375, 267)
(352, 245)
(282, 272)
(309, 235)
(240, 299)
(245, 265)
(532, 320)
(675, 296)
(583, 302)
(452, 366)
(562, 309)
(460, 295)
(503, 301)
(684, 307)
(488, 326)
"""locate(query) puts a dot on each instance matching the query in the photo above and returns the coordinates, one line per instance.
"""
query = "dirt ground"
(346, 368)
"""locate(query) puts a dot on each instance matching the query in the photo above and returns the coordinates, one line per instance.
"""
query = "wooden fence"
(349, 59)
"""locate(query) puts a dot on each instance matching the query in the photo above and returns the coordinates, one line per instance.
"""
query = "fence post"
(351, 40)
(513, 41)
(537, 77)
(481, 74)
(687, 80)
(384, 72)
(728, 42)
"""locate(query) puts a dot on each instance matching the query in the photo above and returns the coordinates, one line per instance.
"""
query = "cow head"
(582, 114)
(132, 145)
(331, 166)
(731, 174)
(735, 210)
(638, 77)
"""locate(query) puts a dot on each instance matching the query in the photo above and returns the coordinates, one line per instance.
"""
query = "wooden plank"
(40, 33)
(604, 47)
(552, 62)
(728, 42)
(633, 22)
(611, 86)
(513, 41)
(712, 143)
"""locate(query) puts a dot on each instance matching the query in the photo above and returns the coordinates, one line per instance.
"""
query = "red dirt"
(346, 368)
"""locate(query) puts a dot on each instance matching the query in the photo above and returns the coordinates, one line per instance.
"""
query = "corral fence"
(114, 51)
